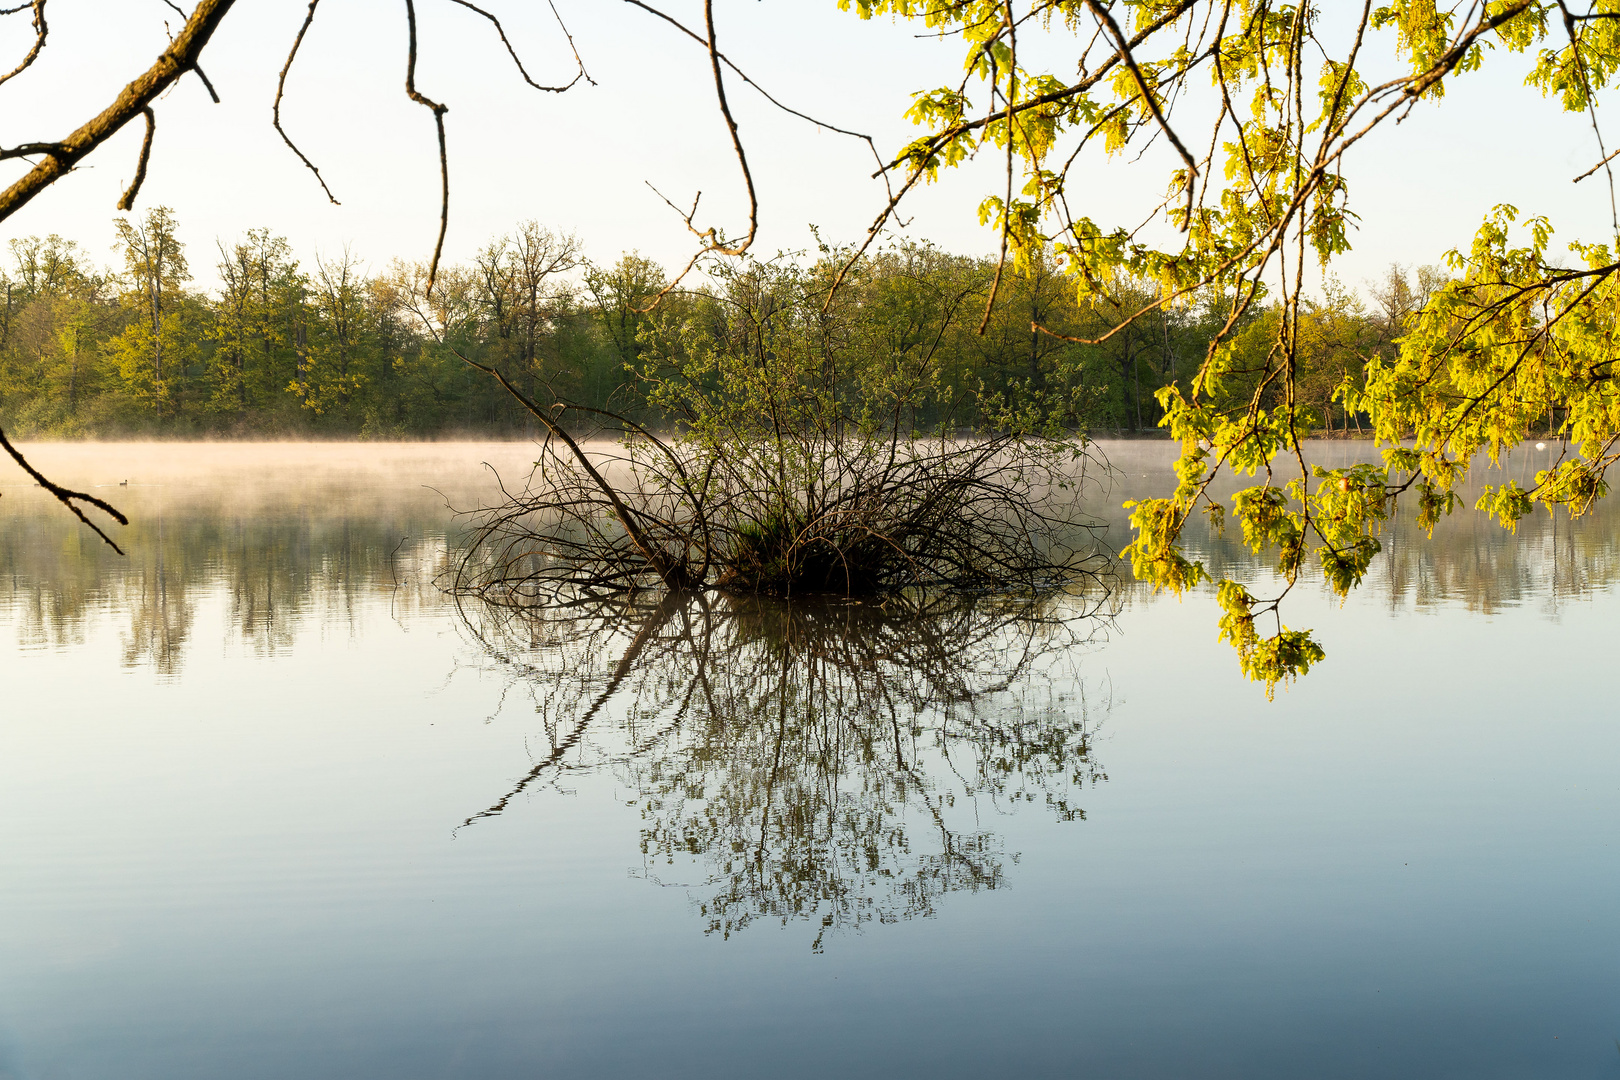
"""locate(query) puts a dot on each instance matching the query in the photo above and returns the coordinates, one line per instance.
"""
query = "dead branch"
(714, 242)
(438, 111)
(127, 203)
(717, 246)
(876, 518)
(501, 30)
(743, 75)
(40, 32)
(179, 58)
(281, 88)
(68, 497)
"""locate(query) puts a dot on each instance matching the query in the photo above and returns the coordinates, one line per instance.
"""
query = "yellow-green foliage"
(1513, 344)
(1284, 656)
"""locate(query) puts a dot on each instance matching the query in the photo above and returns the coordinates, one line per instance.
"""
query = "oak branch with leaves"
(1255, 105)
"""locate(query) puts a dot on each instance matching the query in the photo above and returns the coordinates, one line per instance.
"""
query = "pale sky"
(581, 161)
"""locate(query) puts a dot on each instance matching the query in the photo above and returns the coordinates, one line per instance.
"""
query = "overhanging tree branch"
(40, 32)
(66, 496)
(62, 157)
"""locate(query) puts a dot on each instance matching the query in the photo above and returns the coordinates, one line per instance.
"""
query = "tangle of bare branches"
(827, 762)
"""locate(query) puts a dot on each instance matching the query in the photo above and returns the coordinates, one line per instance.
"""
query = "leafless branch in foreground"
(127, 203)
(59, 158)
(41, 30)
(281, 89)
(68, 497)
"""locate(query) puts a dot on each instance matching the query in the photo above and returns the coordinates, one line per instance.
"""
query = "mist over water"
(273, 805)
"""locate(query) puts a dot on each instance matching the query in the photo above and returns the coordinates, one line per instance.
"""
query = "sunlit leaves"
(1281, 657)
(1350, 505)
(1514, 344)
(1588, 61)
(1422, 32)
(1154, 554)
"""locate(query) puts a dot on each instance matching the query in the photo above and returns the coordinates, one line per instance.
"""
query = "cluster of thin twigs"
(827, 512)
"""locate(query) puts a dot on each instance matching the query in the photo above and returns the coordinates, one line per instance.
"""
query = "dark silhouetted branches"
(127, 202)
(68, 497)
(41, 30)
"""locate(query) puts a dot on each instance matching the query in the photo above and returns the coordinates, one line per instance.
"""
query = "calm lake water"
(271, 806)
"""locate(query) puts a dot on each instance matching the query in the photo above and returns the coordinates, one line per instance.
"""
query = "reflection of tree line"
(271, 568)
(834, 763)
(1552, 559)
(1469, 559)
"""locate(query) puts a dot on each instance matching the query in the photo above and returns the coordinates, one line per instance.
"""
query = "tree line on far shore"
(329, 347)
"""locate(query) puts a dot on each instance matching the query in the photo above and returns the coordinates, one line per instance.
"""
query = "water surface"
(272, 806)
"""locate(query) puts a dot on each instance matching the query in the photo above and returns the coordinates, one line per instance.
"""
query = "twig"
(1596, 167)
(206, 84)
(501, 30)
(743, 75)
(65, 496)
(29, 150)
(714, 242)
(736, 141)
(40, 31)
(127, 203)
(275, 110)
(438, 111)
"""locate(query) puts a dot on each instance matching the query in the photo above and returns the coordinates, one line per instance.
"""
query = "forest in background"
(283, 348)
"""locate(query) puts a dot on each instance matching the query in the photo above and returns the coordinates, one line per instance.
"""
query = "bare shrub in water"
(800, 464)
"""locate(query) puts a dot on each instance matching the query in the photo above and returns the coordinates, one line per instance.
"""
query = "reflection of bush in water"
(828, 762)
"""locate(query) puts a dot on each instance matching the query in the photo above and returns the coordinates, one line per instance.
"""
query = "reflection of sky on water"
(232, 771)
